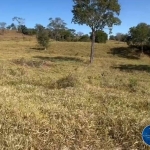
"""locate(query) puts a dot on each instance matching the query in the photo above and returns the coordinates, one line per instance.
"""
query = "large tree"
(97, 14)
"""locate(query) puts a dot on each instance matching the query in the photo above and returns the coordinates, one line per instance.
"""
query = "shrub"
(84, 38)
(133, 84)
(68, 81)
(43, 37)
(100, 37)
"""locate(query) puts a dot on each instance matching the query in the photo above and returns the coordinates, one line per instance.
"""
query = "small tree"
(96, 14)
(42, 36)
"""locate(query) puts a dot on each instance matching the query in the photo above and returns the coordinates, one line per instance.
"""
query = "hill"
(9, 35)
(55, 99)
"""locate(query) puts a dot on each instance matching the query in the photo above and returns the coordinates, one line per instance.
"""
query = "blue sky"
(39, 11)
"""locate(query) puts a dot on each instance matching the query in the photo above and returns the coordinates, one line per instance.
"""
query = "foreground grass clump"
(68, 81)
(55, 100)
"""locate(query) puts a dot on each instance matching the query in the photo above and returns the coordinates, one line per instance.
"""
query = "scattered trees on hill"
(96, 14)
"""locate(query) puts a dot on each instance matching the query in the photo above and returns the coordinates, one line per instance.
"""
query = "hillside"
(9, 35)
(55, 99)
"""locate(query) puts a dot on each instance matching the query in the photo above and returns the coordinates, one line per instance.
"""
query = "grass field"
(56, 100)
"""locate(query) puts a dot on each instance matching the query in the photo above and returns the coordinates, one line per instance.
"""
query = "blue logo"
(146, 135)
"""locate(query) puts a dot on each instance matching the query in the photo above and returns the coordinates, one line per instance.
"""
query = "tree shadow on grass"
(130, 68)
(59, 58)
(37, 48)
(125, 52)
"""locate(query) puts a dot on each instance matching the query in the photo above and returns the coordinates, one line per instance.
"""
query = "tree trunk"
(92, 46)
(142, 47)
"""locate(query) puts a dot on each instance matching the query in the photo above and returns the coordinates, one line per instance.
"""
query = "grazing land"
(55, 99)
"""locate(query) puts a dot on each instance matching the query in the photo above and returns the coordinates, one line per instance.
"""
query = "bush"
(133, 84)
(43, 37)
(84, 38)
(30, 63)
(100, 37)
(68, 81)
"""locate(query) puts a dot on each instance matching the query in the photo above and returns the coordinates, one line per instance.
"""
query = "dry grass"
(55, 100)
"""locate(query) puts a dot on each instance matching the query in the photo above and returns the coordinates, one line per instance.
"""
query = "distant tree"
(42, 36)
(124, 37)
(23, 29)
(72, 31)
(140, 34)
(112, 37)
(100, 37)
(119, 37)
(56, 26)
(84, 38)
(73, 34)
(96, 14)
(19, 20)
(79, 34)
(31, 31)
(66, 35)
(12, 27)
(2, 27)
(39, 27)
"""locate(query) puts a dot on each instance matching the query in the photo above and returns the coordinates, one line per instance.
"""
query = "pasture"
(55, 99)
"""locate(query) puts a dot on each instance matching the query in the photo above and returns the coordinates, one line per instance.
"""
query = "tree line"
(56, 29)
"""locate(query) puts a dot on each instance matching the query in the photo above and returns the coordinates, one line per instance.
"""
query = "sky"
(39, 11)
